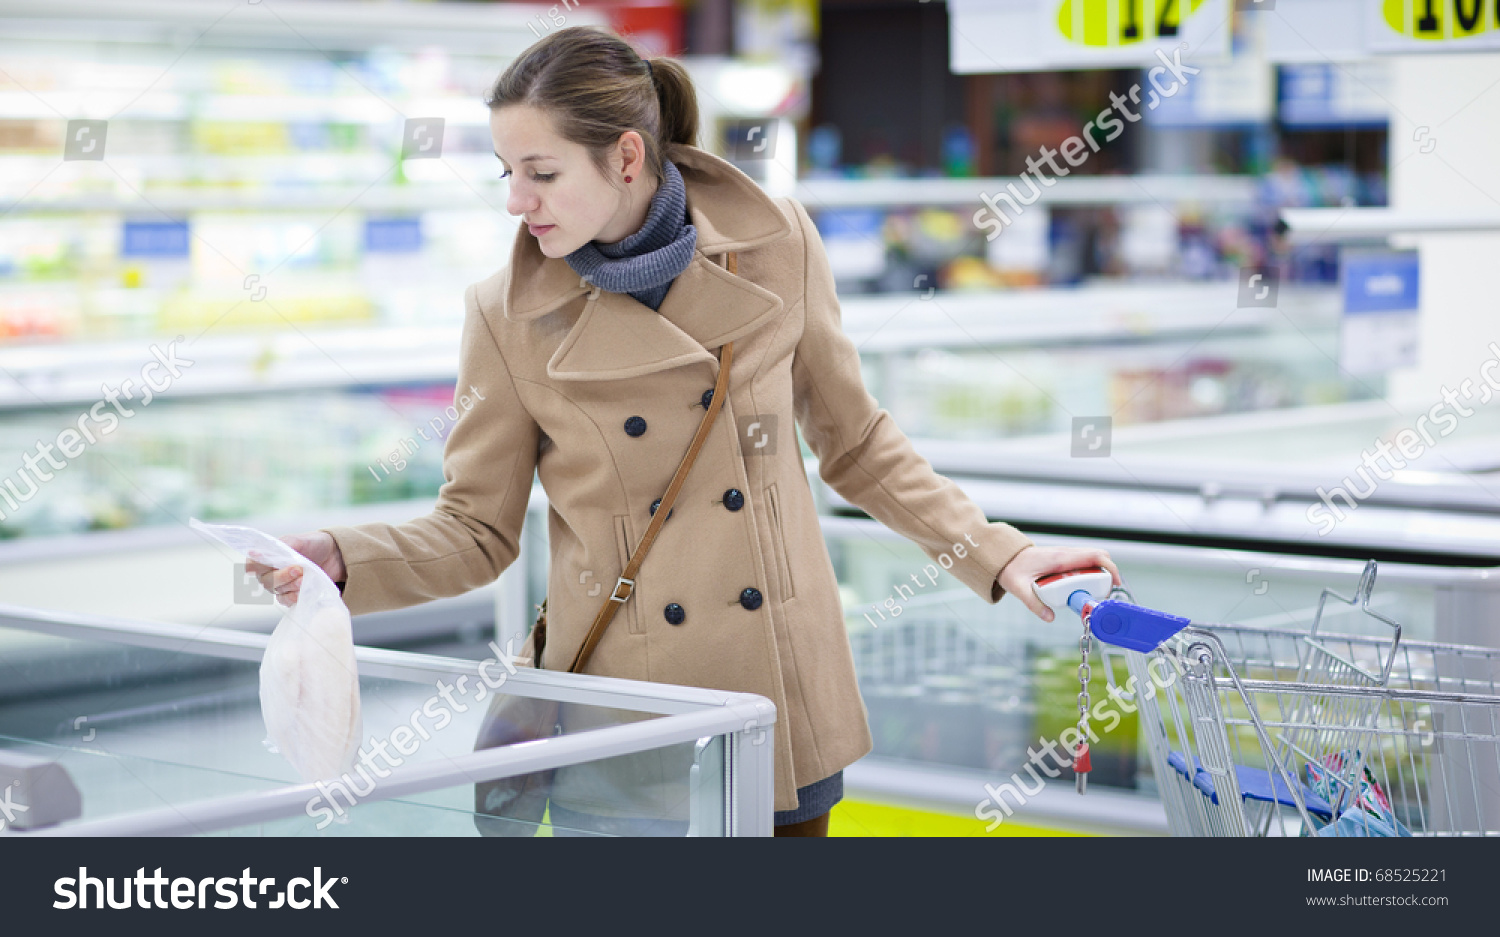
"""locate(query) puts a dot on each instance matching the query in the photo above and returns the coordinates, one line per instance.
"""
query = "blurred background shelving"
(255, 202)
(256, 209)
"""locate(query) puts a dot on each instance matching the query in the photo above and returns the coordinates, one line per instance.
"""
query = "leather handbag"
(515, 806)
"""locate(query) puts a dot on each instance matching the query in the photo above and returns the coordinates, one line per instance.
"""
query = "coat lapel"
(616, 337)
(714, 306)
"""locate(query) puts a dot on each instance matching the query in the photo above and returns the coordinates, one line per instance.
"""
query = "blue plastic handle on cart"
(1131, 626)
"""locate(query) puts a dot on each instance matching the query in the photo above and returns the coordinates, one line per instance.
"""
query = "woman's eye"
(544, 176)
(505, 174)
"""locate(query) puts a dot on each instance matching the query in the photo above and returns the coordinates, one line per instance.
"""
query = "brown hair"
(595, 87)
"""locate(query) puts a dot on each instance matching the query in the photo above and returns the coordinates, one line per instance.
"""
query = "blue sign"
(155, 239)
(1317, 94)
(1380, 281)
(393, 235)
(856, 223)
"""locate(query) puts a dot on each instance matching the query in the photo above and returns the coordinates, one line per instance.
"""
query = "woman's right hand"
(285, 584)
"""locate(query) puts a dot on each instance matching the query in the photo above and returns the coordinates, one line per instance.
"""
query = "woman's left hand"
(1033, 563)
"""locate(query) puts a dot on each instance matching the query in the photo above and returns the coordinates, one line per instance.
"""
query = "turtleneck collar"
(645, 263)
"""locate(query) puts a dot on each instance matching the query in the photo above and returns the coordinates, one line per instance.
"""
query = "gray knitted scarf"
(645, 263)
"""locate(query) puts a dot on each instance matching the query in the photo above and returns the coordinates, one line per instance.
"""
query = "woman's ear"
(632, 154)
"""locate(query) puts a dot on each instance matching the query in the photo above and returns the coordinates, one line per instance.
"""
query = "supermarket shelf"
(411, 198)
(492, 30)
(362, 108)
(1313, 225)
(37, 375)
(1112, 312)
(1081, 190)
(814, 194)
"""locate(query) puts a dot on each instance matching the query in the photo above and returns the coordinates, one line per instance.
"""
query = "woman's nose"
(520, 201)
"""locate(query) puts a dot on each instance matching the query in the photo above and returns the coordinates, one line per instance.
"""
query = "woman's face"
(554, 185)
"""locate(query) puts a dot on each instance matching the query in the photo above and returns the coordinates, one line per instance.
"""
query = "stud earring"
(627, 178)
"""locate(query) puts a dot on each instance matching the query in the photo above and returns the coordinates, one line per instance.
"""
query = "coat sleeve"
(474, 530)
(866, 458)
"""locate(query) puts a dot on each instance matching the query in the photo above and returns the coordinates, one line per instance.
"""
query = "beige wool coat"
(599, 396)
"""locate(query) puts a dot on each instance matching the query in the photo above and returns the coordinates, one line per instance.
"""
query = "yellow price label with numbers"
(1105, 23)
(1441, 20)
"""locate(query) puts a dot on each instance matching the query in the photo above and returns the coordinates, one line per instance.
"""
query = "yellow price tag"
(1441, 20)
(1105, 23)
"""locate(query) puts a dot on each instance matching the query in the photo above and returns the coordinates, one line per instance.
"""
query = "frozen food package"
(309, 681)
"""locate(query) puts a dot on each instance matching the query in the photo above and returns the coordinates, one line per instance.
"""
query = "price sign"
(1030, 35)
(1432, 25)
(1105, 23)
(1345, 30)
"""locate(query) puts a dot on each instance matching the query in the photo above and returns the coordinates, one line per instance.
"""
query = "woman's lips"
(537, 230)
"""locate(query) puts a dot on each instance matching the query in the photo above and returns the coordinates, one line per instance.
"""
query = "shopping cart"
(1271, 732)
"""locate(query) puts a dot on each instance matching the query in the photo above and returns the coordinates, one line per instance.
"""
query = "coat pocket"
(624, 544)
(783, 559)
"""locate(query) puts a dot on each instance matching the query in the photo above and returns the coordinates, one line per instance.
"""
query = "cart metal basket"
(1272, 732)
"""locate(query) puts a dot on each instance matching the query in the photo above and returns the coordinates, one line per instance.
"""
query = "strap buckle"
(615, 596)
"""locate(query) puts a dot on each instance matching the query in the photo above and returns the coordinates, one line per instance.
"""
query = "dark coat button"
(635, 426)
(750, 598)
(656, 504)
(675, 614)
(708, 397)
(733, 499)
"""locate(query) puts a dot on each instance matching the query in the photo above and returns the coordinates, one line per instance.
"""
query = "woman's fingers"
(291, 587)
(1101, 557)
(1018, 576)
(1082, 559)
(1037, 606)
(284, 584)
(288, 580)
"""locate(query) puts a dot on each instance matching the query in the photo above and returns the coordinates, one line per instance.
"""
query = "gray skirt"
(814, 800)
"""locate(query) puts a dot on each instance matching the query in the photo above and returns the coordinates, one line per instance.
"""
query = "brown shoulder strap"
(625, 585)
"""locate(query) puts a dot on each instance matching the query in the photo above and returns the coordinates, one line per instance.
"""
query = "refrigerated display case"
(157, 726)
(1292, 483)
(957, 689)
(979, 367)
(1266, 478)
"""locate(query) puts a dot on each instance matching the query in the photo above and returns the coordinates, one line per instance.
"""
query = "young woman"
(589, 361)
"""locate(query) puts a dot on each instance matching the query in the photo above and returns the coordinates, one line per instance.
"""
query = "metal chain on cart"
(1081, 761)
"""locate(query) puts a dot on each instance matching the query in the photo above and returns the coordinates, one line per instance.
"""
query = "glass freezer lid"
(1259, 477)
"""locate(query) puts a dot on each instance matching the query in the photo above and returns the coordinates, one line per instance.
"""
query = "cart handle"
(1111, 620)
(1122, 624)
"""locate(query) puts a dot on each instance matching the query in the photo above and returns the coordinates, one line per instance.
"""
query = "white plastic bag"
(309, 680)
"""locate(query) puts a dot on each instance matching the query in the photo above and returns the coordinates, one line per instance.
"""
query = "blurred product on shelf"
(886, 247)
(233, 167)
(226, 458)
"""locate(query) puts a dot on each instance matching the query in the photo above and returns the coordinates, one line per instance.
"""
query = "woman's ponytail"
(678, 101)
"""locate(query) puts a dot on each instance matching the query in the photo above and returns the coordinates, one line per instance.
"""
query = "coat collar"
(618, 337)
